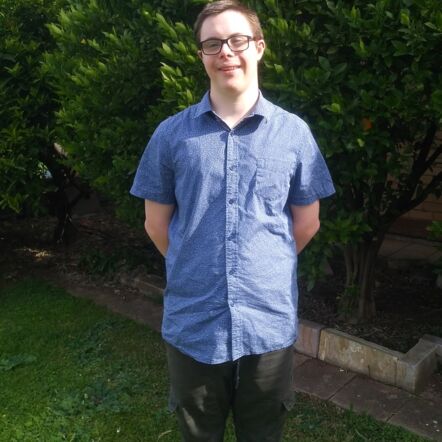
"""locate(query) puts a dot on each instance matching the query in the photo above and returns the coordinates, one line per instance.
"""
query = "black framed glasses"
(236, 43)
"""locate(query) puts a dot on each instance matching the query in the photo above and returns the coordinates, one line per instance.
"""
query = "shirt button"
(231, 272)
(232, 167)
(231, 237)
(231, 303)
(231, 201)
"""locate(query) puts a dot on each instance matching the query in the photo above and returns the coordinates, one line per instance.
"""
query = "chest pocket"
(272, 178)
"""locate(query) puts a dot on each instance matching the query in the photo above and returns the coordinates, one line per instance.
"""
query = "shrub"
(26, 104)
(105, 71)
(365, 77)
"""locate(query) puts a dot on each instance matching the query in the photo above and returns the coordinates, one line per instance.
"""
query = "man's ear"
(200, 54)
(260, 48)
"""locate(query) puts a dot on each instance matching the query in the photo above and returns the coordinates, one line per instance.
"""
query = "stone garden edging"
(409, 371)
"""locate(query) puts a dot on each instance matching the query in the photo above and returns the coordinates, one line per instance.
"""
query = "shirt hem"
(152, 197)
(216, 361)
(309, 200)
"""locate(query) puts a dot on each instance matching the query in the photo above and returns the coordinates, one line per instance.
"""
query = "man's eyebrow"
(219, 38)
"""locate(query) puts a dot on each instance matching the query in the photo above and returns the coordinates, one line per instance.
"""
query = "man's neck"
(233, 108)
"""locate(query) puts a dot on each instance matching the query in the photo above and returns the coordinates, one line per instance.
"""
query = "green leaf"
(279, 69)
(167, 49)
(354, 13)
(340, 68)
(405, 17)
(324, 63)
(334, 107)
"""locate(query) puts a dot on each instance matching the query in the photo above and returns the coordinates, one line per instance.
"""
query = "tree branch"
(405, 202)
(431, 187)
(420, 165)
(434, 156)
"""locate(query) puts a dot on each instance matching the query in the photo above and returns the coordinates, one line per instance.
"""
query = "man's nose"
(225, 49)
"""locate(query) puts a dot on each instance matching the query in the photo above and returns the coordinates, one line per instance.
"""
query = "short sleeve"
(311, 179)
(154, 179)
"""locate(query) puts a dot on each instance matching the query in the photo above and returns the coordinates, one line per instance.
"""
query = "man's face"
(231, 72)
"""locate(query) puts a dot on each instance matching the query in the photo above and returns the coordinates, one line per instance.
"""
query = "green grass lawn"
(70, 370)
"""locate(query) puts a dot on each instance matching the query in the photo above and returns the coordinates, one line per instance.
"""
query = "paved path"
(420, 414)
(399, 249)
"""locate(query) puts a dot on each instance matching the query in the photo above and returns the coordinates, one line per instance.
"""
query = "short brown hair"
(219, 6)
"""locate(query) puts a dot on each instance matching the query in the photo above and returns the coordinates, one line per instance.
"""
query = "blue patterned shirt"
(231, 263)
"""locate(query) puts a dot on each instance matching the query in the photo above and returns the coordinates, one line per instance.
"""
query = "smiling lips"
(228, 68)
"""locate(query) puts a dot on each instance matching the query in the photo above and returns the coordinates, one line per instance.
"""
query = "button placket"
(230, 234)
(231, 209)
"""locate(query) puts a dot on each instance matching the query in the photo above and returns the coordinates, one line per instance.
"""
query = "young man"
(231, 188)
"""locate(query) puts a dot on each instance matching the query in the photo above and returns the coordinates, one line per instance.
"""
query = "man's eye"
(211, 44)
(236, 41)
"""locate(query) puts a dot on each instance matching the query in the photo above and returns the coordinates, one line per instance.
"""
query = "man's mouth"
(228, 68)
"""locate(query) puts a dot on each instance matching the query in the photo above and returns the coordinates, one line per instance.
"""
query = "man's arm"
(157, 222)
(305, 223)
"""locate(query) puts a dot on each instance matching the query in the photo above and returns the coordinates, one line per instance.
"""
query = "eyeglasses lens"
(236, 43)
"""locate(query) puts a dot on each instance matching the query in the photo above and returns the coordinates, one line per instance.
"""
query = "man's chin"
(231, 87)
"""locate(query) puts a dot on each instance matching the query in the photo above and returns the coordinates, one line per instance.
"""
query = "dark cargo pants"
(257, 388)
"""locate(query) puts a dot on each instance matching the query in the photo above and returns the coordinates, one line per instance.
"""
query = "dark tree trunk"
(60, 204)
(357, 302)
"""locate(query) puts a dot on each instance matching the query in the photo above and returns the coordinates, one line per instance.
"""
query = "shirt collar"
(203, 106)
(262, 107)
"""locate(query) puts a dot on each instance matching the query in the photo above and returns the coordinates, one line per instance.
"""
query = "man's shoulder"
(179, 121)
(285, 117)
